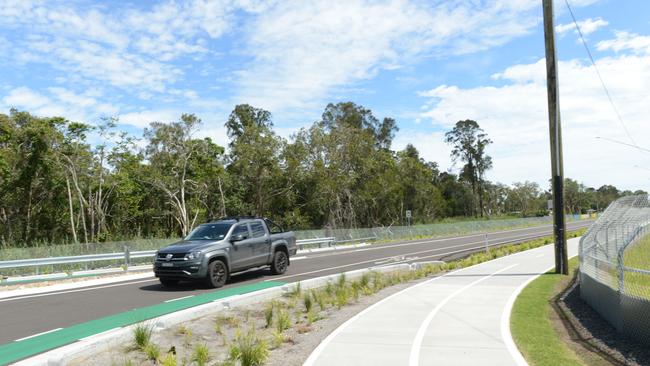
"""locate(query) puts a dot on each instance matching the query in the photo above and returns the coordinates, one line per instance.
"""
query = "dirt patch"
(594, 340)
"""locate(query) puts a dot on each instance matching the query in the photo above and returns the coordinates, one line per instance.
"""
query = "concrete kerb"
(111, 338)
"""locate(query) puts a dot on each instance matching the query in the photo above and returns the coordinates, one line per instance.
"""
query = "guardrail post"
(487, 247)
(127, 257)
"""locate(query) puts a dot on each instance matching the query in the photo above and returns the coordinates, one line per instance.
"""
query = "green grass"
(638, 256)
(142, 335)
(249, 349)
(531, 326)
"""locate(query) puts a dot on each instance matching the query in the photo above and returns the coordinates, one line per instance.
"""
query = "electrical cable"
(602, 82)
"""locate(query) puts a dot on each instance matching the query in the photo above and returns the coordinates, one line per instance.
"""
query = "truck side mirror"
(236, 238)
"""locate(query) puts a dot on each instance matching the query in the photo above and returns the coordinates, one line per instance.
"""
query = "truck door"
(261, 243)
(241, 253)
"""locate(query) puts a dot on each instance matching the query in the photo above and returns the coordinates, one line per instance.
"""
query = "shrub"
(201, 354)
(312, 316)
(277, 338)
(268, 314)
(340, 283)
(142, 335)
(282, 320)
(319, 297)
(365, 280)
(341, 298)
(249, 349)
(152, 351)
(356, 288)
(169, 360)
(307, 301)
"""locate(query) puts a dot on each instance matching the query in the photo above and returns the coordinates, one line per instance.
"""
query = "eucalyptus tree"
(468, 143)
(170, 154)
(254, 159)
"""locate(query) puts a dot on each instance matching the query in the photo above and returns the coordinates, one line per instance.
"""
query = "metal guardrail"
(126, 255)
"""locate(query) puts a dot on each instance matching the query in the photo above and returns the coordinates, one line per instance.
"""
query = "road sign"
(408, 214)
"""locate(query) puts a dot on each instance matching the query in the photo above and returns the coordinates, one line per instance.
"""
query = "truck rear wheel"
(217, 274)
(280, 262)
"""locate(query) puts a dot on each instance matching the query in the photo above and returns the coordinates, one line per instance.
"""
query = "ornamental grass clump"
(249, 349)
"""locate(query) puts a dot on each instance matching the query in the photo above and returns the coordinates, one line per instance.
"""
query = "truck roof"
(237, 218)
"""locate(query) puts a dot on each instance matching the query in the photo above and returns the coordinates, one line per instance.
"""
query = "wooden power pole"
(555, 128)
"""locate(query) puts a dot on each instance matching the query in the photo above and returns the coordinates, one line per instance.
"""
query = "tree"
(468, 143)
(171, 152)
(254, 158)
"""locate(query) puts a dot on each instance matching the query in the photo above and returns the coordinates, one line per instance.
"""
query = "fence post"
(127, 257)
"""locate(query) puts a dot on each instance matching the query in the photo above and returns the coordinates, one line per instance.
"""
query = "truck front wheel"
(217, 274)
(280, 262)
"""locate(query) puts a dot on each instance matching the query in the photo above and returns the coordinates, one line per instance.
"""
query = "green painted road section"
(12, 352)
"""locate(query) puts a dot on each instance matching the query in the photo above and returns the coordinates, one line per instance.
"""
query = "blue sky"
(425, 63)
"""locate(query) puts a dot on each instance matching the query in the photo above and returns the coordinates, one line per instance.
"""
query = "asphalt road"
(23, 316)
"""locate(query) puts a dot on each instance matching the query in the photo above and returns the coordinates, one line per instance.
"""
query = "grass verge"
(531, 324)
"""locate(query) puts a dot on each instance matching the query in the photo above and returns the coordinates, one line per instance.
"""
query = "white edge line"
(76, 290)
(179, 298)
(506, 333)
(36, 335)
(297, 258)
(414, 356)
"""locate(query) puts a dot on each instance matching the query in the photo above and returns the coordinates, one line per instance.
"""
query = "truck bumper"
(179, 270)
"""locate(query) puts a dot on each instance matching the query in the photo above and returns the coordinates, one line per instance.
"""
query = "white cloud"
(142, 119)
(304, 51)
(59, 102)
(626, 41)
(515, 117)
(128, 48)
(587, 26)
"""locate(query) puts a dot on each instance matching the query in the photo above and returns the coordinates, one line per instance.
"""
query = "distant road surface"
(23, 316)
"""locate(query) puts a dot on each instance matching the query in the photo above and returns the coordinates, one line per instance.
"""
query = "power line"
(624, 143)
(602, 82)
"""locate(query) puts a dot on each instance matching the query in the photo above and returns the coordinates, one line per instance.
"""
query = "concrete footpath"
(462, 318)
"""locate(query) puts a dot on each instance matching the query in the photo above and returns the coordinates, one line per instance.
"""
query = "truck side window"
(257, 229)
(241, 229)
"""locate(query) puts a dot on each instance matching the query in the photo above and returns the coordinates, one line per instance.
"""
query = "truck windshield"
(209, 232)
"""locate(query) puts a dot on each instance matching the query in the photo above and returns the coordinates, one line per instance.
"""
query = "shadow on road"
(235, 279)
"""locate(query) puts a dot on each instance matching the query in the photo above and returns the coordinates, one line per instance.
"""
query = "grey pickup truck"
(214, 250)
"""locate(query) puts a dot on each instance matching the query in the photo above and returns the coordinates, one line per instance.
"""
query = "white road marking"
(180, 298)
(414, 358)
(297, 258)
(77, 290)
(36, 335)
(539, 256)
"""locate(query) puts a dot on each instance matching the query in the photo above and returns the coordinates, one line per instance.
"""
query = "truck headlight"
(193, 255)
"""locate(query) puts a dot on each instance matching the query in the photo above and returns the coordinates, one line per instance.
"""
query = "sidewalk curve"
(461, 318)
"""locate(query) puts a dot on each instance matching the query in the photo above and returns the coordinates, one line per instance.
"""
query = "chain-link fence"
(615, 266)
(440, 229)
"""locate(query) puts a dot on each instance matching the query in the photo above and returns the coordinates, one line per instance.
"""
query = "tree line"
(56, 186)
